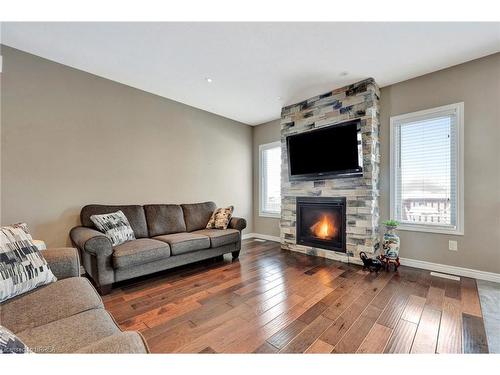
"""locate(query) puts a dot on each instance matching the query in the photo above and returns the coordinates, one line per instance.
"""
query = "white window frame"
(262, 148)
(396, 121)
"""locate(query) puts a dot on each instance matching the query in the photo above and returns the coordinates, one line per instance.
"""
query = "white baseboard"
(452, 270)
(261, 236)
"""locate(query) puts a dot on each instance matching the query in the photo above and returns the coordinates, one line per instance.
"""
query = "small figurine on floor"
(372, 264)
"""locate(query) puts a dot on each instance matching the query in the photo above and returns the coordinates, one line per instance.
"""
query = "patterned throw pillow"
(22, 266)
(220, 218)
(11, 344)
(115, 226)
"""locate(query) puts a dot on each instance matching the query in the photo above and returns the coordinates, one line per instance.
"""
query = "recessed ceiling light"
(208, 79)
(343, 74)
(279, 98)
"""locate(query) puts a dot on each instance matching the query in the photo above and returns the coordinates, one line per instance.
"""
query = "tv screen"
(331, 151)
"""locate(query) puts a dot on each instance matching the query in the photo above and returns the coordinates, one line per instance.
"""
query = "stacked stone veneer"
(357, 101)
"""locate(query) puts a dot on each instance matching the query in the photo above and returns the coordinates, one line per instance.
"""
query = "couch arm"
(237, 223)
(123, 342)
(64, 262)
(96, 250)
(91, 241)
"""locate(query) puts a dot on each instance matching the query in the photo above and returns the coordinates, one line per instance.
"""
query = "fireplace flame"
(324, 228)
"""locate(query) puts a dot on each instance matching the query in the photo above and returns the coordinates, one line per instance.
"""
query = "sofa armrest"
(64, 262)
(91, 241)
(96, 251)
(124, 342)
(237, 223)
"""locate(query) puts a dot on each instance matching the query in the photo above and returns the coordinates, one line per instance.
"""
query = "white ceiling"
(253, 64)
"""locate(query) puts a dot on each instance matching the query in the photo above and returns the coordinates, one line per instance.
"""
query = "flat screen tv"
(331, 152)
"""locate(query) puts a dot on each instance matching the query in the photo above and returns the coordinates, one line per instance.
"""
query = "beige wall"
(264, 133)
(477, 84)
(70, 138)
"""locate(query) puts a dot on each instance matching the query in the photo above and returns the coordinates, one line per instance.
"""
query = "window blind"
(425, 181)
(271, 179)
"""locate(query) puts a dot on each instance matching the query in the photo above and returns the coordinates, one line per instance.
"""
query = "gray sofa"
(67, 316)
(167, 236)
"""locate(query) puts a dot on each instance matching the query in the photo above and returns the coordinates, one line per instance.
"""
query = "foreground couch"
(67, 316)
(167, 236)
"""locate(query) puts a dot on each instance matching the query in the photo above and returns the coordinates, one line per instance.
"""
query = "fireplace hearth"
(321, 222)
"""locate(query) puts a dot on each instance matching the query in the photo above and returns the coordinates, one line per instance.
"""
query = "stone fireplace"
(333, 217)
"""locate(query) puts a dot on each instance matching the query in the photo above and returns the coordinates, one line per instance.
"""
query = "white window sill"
(430, 229)
(276, 215)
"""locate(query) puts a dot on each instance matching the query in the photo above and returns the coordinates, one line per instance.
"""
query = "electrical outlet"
(452, 245)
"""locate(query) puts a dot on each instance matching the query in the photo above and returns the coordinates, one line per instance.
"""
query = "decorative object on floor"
(11, 344)
(372, 264)
(391, 241)
(220, 218)
(388, 261)
(115, 226)
(22, 266)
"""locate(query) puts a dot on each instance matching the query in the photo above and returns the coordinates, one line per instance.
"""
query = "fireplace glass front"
(321, 222)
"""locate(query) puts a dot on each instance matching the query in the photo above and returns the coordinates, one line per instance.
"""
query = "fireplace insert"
(321, 222)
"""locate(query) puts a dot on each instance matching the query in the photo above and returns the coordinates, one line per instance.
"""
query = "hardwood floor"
(276, 301)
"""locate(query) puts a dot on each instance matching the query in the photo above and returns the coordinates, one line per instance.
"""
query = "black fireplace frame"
(321, 201)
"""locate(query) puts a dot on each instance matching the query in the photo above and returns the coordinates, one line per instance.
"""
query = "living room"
(242, 187)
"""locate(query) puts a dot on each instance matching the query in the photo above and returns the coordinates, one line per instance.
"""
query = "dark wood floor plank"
(413, 309)
(475, 340)
(453, 289)
(285, 335)
(313, 312)
(376, 340)
(470, 297)
(402, 338)
(450, 329)
(392, 312)
(266, 348)
(308, 336)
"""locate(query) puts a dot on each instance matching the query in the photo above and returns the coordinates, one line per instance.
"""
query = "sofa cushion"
(49, 303)
(134, 214)
(164, 219)
(197, 215)
(220, 237)
(143, 250)
(70, 334)
(181, 243)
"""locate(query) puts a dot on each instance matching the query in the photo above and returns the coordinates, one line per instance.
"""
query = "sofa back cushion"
(197, 215)
(134, 214)
(164, 219)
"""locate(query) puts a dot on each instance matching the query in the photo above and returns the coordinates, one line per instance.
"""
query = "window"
(427, 170)
(270, 179)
